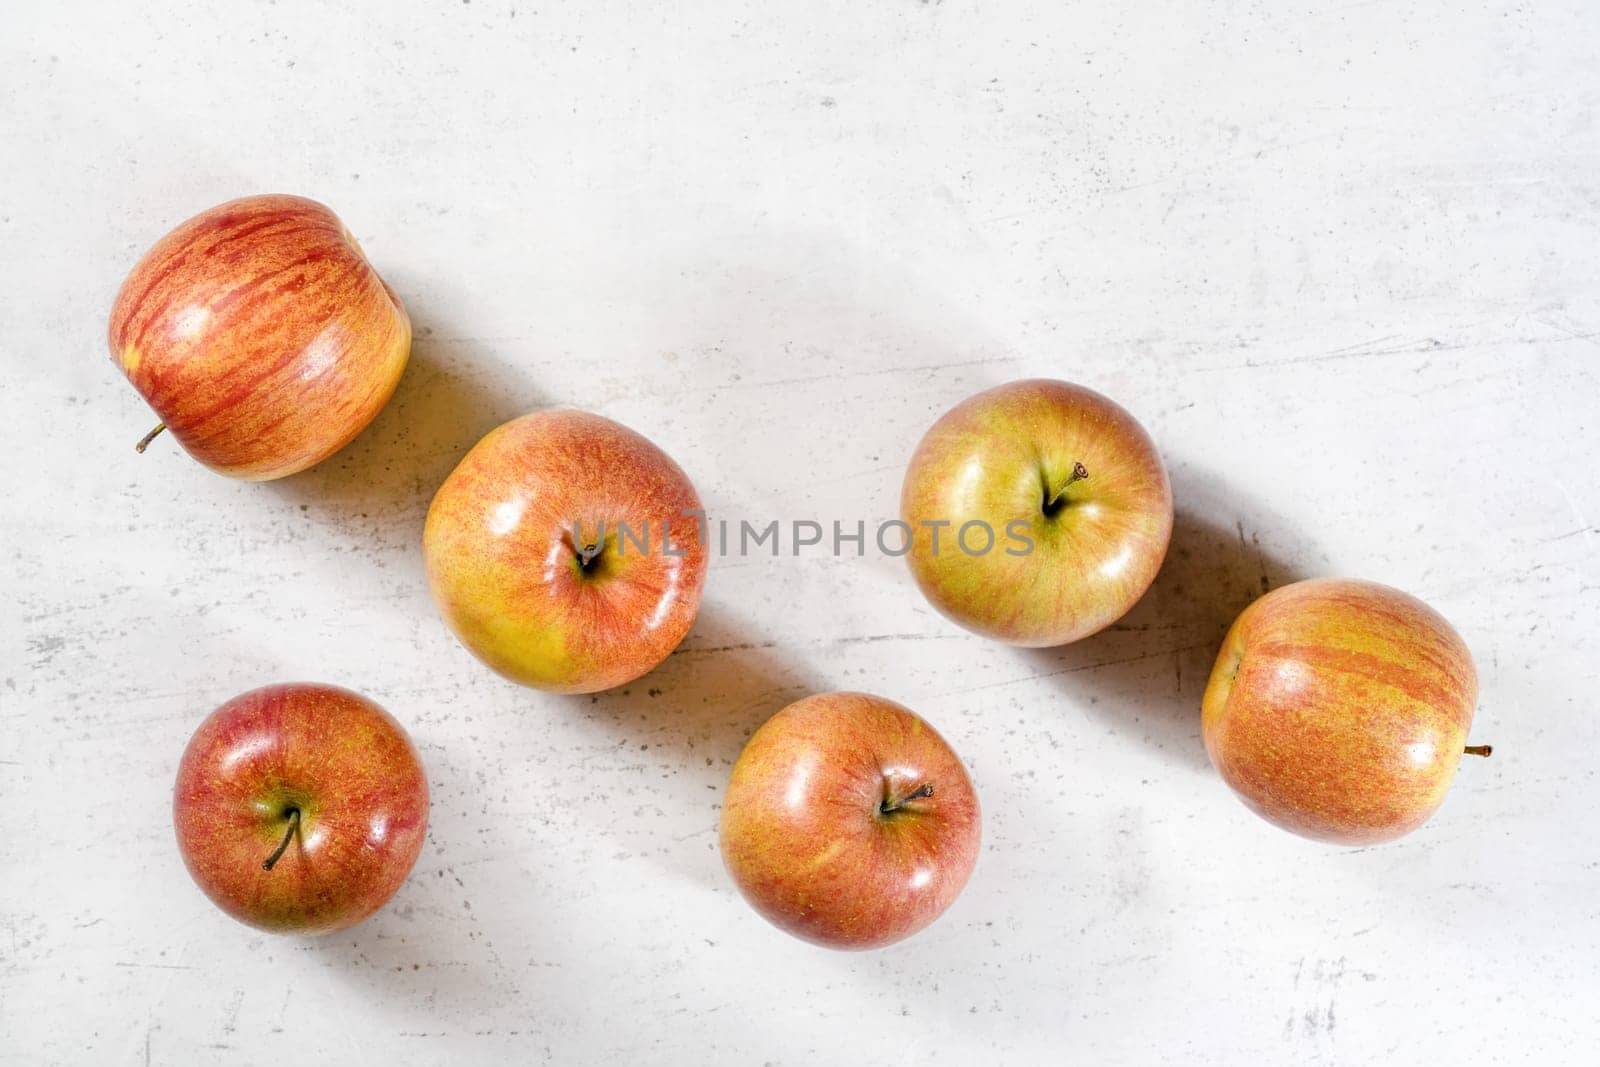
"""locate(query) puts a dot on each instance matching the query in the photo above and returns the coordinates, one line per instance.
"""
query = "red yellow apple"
(1339, 709)
(849, 822)
(260, 335)
(300, 808)
(1039, 513)
(566, 552)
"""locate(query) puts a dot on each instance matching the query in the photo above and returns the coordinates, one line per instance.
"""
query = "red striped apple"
(300, 808)
(849, 822)
(1039, 513)
(1339, 709)
(566, 552)
(260, 335)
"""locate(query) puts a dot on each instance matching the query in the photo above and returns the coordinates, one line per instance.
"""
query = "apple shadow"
(1147, 672)
(449, 397)
(680, 728)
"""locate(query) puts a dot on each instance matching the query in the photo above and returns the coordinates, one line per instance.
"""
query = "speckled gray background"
(1343, 260)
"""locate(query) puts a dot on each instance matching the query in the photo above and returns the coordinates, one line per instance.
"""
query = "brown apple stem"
(923, 790)
(1478, 750)
(144, 442)
(586, 555)
(1079, 473)
(283, 846)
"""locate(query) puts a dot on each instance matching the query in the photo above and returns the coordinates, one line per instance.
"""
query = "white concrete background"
(1343, 260)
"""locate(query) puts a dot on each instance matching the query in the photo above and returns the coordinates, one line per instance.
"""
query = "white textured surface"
(1342, 260)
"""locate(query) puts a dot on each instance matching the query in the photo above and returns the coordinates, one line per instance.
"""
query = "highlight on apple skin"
(1070, 471)
(534, 604)
(260, 335)
(1339, 709)
(300, 808)
(849, 822)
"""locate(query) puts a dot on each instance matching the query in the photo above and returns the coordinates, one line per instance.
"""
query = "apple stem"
(923, 790)
(144, 442)
(288, 835)
(586, 555)
(1478, 750)
(1079, 473)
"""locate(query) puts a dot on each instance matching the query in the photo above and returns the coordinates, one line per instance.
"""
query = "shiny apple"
(849, 822)
(566, 552)
(1339, 709)
(1039, 513)
(300, 808)
(260, 335)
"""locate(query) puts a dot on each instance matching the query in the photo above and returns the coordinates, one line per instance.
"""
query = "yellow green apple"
(1039, 512)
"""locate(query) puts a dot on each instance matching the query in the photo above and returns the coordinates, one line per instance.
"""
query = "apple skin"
(1339, 709)
(510, 582)
(804, 831)
(998, 457)
(260, 335)
(348, 768)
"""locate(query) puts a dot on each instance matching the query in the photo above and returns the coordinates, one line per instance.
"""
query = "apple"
(300, 808)
(1339, 709)
(1038, 511)
(261, 336)
(849, 822)
(566, 552)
